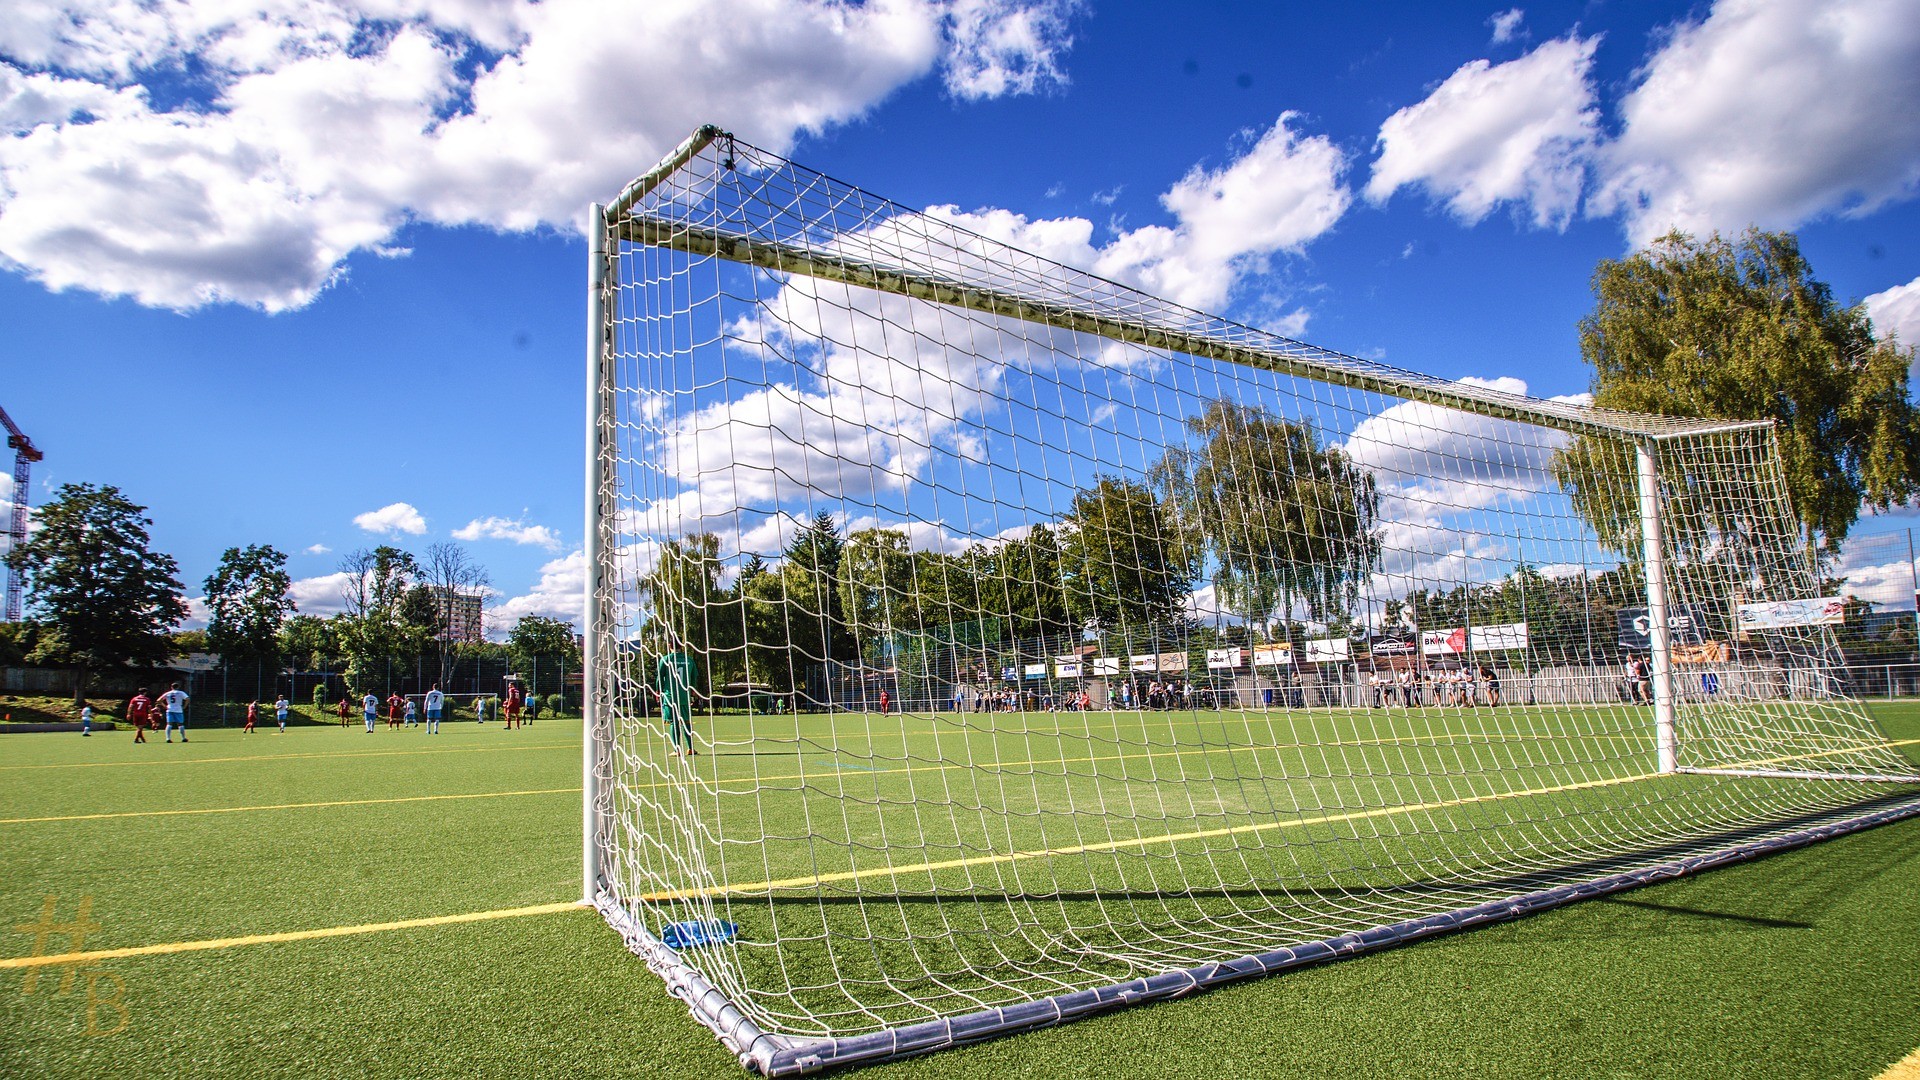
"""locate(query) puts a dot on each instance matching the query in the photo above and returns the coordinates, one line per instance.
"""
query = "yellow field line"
(1201, 834)
(288, 806)
(97, 955)
(1907, 1068)
(570, 745)
(1131, 842)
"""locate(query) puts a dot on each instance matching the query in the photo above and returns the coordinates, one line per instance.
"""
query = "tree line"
(103, 600)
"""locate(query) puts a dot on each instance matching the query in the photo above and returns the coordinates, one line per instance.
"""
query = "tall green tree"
(376, 629)
(311, 643)
(103, 597)
(693, 612)
(1122, 562)
(1019, 580)
(1282, 518)
(543, 650)
(249, 596)
(878, 590)
(1741, 329)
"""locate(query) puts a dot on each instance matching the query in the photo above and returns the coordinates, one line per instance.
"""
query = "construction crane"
(24, 455)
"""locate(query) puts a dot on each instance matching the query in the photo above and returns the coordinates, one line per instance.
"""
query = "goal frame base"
(776, 1055)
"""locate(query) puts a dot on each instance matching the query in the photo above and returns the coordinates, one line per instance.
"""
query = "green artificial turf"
(1799, 964)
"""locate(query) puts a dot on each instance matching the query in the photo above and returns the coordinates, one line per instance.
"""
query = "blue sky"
(309, 274)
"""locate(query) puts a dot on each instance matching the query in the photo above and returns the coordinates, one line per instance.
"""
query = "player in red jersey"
(394, 701)
(253, 713)
(138, 711)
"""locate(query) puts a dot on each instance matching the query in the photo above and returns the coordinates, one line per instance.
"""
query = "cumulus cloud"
(1517, 133)
(512, 529)
(1896, 312)
(1449, 482)
(392, 520)
(317, 549)
(1506, 25)
(557, 595)
(323, 595)
(1769, 113)
(322, 126)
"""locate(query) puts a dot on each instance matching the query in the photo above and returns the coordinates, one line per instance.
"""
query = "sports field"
(1800, 964)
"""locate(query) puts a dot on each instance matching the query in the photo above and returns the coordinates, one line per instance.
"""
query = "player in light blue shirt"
(175, 703)
(436, 702)
(86, 719)
(413, 720)
(280, 712)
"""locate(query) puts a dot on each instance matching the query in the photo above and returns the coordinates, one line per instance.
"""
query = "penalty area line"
(169, 948)
(288, 806)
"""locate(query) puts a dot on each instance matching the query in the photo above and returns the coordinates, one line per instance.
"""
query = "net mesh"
(977, 630)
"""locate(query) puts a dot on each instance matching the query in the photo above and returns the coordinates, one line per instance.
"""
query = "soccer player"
(533, 708)
(394, 701)
(436, 701)
(280, 707)
(139, 709)
(253, 713)
(371, 705)
(86, 719)
(479, 709)
(343, 709)
(884, 702)
(175, 702)
(412, 721)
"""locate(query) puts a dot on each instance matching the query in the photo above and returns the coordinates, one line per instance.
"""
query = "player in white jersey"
(174, 701)
(436, 702)
(280, 707)
(371, 706)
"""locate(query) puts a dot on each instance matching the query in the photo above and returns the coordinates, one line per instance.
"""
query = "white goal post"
(974, 642)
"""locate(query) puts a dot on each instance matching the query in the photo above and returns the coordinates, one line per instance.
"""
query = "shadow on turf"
(1516, 883)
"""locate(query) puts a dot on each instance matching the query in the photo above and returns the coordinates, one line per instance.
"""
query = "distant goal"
(974, 643)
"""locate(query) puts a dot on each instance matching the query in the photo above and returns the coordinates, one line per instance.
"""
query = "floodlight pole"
(591, 624)
(1654, 551)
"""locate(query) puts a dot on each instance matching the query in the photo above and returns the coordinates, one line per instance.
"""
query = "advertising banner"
(1035, 671)
(1501, 637)
(1685, 626)
(1142, 661)
(1173, 661)
(1393, 643)
(1327, 650)
(1106, 665)
(1224, 659)
(1066, 667)
(1781, 614)
(1279, 654)
(1708, 652)
(1450, 642)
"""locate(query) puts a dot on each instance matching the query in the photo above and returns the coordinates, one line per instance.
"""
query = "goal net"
(975, 642)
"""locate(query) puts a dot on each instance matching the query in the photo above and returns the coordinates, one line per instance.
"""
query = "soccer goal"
(975, 643)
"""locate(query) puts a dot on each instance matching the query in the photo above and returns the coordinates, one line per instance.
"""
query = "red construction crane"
(24, 455)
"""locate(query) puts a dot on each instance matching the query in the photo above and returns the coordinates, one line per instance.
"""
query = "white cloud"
(328, 125)
(1772, 113)
(317, 549)
(1447, 482)
(557, 595)
(1517, 132)
(392, 520)
(1284, 191)
(322, 595)
(998, 47)
(1896, 312)
(499, 528)
(1506, 25)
